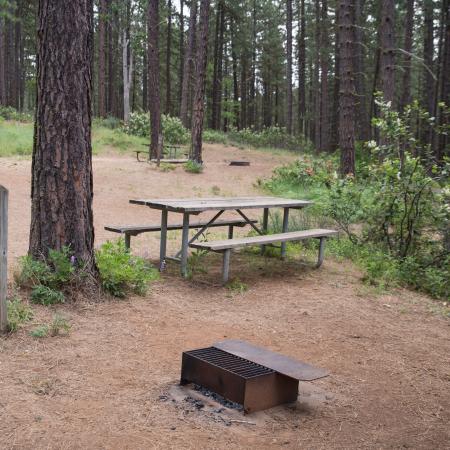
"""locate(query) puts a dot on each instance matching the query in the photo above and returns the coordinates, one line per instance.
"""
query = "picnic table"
(194, 206)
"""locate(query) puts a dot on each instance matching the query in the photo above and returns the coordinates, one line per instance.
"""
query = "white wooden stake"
(3, 258)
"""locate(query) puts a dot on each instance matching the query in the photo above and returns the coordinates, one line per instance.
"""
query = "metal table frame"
(189, 207)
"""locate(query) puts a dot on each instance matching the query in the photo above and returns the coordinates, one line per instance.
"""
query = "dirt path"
(112, 383)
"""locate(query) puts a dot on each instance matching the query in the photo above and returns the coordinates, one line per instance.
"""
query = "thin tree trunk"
(428, 50)
(237, 120)
(102, 58)
(145, 76)
(62, 184)
(153, 76)
(215, 83)
(244, 70)
(363, 120)
(302, 68)
(316, 80)
(220, 68)
(181, 68)
(407, 47)
(387, 56)
(127, 71)
(168, 108)
(188, 64)
(346, 19)
(334, 139)
(199, 98)
(289, 66)
(324, 95)
(253, 112)
(2, 63)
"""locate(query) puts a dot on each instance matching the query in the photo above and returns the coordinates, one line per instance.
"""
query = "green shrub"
(45, 295)
(9, 113)
(172, 128)
(18, 313)
(40, 332)
(109, 122)
(121, 272)
(193, 167)
(215, 137)
(59, 325)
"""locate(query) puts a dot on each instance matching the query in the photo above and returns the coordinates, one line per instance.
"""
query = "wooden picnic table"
(195, 206)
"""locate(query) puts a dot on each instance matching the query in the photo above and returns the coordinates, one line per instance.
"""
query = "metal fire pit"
(233, 369)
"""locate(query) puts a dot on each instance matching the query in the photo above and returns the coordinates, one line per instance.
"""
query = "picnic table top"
(196, 205)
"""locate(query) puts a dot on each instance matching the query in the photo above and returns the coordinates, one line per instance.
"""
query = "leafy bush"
(109, 122)
(193, 167)
(18, 313)
(215, 137)
(172, 128)
(395, 212)
(9, 113)
(45, 295)
(121, 272)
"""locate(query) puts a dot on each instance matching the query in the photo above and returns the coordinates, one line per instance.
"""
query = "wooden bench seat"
(225, 246)
(135, 230)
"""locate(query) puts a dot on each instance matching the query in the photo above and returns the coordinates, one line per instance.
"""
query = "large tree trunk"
(316, 78)
(188, 65)
(346, 21)
(215, 83)
(407, 48)
(102, 58)
(199, 98)
(62, 187)
(253, 108)
(387, 56)
(154, 100)
(237, 120)
(302, 68)
(334, 131)
(289, 66)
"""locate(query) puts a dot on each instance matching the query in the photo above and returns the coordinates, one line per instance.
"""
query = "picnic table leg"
(185, 245)
(226, 266)
(321, 252)
(285, 229)
(230, 232)
(163, 242)
(127, 241)
(264, 227)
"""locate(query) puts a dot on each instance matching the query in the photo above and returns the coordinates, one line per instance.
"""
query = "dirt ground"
(112, 382)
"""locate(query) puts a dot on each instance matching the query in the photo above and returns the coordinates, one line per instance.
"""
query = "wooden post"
(3, 258)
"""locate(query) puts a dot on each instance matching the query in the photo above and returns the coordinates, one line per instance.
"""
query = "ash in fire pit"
(250, 376)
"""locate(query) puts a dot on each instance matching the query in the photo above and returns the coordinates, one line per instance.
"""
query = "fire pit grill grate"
(239, 366)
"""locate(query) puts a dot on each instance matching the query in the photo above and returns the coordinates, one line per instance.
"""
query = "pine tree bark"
(168, 108)
(362, 118)
(289, 66)
(253, 106)
(428, 50)
(154, 99)
(346, 20)
(62, 185)
(441, 142)
(387, 56)
(302, 68)
(181, 50)
(324, 67)
(2, 63)
(188, 64)
(334, 133)
(407, 48)
(316, 79)
(237, 120)
(215, 83)
(199, 97)
(102, 58)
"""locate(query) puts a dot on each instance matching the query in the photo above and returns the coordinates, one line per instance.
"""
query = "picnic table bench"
(226, 246)
(135, 230)
(169, 154)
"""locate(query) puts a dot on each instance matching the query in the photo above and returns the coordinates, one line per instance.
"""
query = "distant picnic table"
(194, 206)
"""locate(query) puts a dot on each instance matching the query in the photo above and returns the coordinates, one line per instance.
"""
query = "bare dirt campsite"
(112, 382)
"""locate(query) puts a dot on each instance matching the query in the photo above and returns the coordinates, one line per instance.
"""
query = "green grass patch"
(18, 314)
(16, 138)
